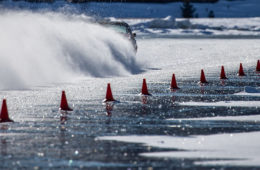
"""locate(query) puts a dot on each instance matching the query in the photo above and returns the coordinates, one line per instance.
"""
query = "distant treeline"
(136, 1)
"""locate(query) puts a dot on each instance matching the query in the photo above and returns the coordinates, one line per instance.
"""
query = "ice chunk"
(249, 89)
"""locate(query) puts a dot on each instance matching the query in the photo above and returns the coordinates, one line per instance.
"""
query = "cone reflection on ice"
(174, 83)
(64, 104)
(223, 74)
(258, 65)
(109, 95)
(109, 108)
(144, 88)
(4, 117)
(241, 70)
(202, 77)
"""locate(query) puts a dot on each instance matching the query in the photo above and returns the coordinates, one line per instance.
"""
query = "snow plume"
(46, 47)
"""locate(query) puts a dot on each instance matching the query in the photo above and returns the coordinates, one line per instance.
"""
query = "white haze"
(38, 48)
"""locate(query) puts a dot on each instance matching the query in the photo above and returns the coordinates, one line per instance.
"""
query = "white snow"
(251, 118)
(223, 8)
(224, 104)
(220, 146)
(200, 27)
(233, 18)
(247, 94)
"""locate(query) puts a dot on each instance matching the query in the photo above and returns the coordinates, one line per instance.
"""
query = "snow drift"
(46, 47)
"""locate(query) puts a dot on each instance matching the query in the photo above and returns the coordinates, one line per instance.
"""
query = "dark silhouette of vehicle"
(122, 28)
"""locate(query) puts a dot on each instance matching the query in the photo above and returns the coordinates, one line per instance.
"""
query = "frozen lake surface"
(216, 125)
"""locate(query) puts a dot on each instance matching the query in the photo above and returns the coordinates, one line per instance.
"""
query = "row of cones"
(223, 74)
(109, 96)
(174, 86)
(4, 117)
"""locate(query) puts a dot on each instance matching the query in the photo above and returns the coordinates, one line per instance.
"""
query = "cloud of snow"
(45, 47)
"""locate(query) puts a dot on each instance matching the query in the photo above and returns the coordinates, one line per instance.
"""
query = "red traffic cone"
(64, 104)
(4, 117)
(258, 66)
(223, 74)
(202, 77)
(174, 83)
(144, 88)
(241, 70)
(109, 95)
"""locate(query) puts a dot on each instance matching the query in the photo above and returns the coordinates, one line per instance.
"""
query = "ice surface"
(47, 139)
(203, 53)
(249, 89)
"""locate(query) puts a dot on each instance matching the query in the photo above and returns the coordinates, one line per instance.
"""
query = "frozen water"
(45, 138)
(252, 90)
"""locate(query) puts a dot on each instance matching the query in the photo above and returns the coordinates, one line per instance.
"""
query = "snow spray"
(46, 47)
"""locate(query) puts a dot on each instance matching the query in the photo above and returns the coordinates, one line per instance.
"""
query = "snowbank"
(199, 27)
(223, 8)
(232, 17)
